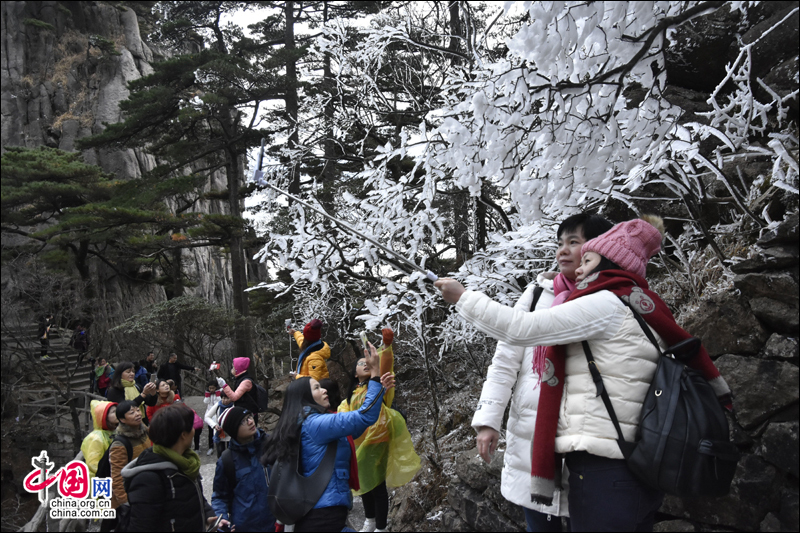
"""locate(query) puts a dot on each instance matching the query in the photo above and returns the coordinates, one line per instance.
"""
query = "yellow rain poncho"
(385, 450)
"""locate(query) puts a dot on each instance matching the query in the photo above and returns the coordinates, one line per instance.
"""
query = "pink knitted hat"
(629, 244)
(240, 364)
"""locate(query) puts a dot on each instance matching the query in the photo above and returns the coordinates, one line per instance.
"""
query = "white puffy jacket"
(511, 371)
(625, 357)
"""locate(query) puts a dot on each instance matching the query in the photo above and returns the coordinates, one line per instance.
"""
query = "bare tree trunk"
(329, 168)
(291, 97)
(234, 170)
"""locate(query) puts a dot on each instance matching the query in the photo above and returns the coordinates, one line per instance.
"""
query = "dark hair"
(124, 407)
(605, 264)
(210, 382)
(334, 396)
(116, 379)
(222, 394)
(353, 383)
(285, 439)
(159, 381)
(169, 423)
(590, 225)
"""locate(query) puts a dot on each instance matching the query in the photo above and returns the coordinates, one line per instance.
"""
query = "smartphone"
(364, 339)
(288, 323)
(215, 525)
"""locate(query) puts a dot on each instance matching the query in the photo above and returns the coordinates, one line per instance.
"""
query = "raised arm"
(329, 427)
(387, 362)
(594, 316)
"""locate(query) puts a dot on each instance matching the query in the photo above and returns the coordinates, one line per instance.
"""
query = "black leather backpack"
(682, 444)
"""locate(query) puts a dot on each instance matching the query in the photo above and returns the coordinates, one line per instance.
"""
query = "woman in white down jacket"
(603, 494)
(511, 370)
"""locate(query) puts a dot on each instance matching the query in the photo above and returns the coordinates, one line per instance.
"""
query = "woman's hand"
(290, 330)
(451, 289)
(487, 442)
(149, 389)
(222, 523)
(373, 360)
(387, 380)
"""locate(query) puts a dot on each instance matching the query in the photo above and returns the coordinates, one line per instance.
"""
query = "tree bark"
(235, 173)
(329, 166)
(291, 97)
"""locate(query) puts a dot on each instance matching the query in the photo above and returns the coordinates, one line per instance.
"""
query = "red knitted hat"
(629, 244)
(313, 330)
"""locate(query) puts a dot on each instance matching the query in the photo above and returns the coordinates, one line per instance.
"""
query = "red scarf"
(634, 290)
(354, 483)
(562, 288)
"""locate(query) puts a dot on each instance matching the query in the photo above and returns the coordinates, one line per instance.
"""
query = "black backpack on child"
(104, 465)
(682, 444)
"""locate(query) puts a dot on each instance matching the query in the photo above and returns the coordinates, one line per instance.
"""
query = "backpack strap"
(625, 447)
(643, 324)
(125, 442)
(229, 469)
(537, 293)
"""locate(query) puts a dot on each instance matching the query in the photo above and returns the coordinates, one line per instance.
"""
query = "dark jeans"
(197, 433)
(45, 347)
(376, 505)
(542, 521)
(210, 439)
(605, 496)
(324, 519)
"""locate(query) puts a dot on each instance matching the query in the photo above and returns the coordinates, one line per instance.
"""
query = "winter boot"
(369, 525)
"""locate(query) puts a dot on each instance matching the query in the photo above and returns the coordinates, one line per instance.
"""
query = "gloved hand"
(388, 336)
(221, 383)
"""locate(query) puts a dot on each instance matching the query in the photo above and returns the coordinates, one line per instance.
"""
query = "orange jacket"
(313, 364)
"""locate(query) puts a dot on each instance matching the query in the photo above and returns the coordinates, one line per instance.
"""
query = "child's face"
(212, 388)
(225, 401)
(362, 369)
(589, 262)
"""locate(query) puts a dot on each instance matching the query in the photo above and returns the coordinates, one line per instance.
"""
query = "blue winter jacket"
(320, 429)
(141, 378)
(247, 509)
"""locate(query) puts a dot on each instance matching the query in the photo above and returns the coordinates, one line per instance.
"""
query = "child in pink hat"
(627, 246)
(244, 392)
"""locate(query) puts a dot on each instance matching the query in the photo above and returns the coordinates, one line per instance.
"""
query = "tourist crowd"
(562, 458)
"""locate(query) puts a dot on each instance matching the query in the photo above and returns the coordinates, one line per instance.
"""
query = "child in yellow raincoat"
(385, 453)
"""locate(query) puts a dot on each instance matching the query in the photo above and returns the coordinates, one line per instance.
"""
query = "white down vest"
(625, 357)
(510, 376)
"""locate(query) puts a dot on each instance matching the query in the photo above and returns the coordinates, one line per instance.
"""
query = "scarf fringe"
(542, 490)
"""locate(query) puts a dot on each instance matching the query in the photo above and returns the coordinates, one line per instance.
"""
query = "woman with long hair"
(306, 427)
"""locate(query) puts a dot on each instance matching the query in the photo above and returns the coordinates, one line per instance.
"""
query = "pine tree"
(200, 111)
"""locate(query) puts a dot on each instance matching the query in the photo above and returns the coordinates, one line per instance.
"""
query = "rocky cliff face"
(65, 68)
